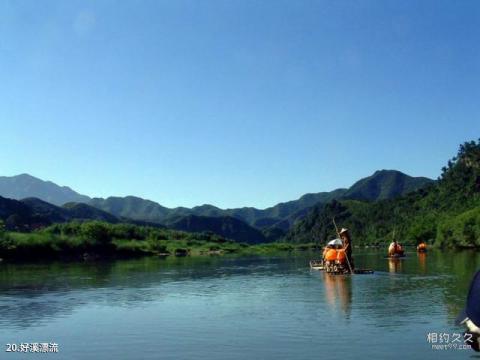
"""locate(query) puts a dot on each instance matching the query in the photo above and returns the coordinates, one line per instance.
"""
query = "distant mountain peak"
(25, 175)
(385, 184)
(26, 186)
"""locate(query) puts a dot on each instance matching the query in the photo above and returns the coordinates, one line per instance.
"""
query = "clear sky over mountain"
(234, 102)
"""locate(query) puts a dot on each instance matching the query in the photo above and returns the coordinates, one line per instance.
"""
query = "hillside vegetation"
(274, 221)
(90, 240)
(32, 203)
(446, 213)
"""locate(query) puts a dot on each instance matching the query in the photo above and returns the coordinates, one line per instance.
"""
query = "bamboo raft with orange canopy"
(422, 247)
(334, 262)
(395, 250)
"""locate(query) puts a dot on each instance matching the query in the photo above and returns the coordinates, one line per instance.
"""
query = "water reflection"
(338, 292)
(395, 265)
(422, 262)
(33, 294)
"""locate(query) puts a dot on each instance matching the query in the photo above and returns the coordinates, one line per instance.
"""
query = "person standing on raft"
(347, 245)
(395, 249)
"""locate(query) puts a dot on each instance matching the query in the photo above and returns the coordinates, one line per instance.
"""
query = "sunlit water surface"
(236, 307)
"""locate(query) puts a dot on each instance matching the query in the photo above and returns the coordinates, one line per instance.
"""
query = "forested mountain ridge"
(382, 184)
(446, 212)
(31, 213)
(273, 222)
(226, 226)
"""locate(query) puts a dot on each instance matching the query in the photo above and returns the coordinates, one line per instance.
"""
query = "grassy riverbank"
(94, 239)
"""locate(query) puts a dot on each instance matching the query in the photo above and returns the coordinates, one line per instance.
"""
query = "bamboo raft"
(318, 265)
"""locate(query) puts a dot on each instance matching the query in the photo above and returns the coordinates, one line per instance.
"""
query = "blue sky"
(234, 103)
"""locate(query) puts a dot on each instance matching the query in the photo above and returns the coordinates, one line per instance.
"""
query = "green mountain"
(226, 226)
(84, 211)
(51, 213)
(33, 213)
(25, 186)
(281, 215)
(385, 184)
(277, 219)
(132, 207)
(445, 212)
(15, 211)
(261, 224)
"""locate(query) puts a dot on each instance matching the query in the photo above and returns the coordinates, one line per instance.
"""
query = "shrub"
(97, 231)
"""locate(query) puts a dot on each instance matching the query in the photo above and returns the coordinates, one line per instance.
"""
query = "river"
(236, 307)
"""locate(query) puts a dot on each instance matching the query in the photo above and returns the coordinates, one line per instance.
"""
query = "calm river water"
(235, 307)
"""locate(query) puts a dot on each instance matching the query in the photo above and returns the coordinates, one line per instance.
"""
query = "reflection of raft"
(396, 256)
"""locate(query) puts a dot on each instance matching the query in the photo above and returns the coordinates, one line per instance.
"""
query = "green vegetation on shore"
(445, 213)
(95, 239)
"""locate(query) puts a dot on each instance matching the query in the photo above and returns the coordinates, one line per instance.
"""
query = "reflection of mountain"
(415, 290)
(35, 294)
(462, 266)
(38, 293)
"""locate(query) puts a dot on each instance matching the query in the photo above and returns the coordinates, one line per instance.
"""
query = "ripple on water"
(230, 308)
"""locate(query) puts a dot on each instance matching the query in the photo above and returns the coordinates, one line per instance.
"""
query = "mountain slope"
(283, 214)
(25, 186)
(273, 221)
(10, 207)
(32, 213)
(132, 207)
(51, 213)
(84, 211)
(446, 211)
(226, 226)
(385, 184)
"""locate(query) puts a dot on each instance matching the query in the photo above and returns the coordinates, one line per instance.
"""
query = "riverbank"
(98, 240)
